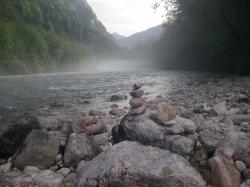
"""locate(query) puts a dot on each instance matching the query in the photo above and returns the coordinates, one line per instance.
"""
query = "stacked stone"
(137, 103)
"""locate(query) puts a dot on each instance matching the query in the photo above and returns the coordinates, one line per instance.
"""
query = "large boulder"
(33, 177)
(212, 133)
(131, 164)
(39, 149)
(79, 147)
(224, 172)
(14, 128)
(238, 145)
(142, 129)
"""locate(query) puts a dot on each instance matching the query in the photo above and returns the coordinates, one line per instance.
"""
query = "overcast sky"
(126, 17)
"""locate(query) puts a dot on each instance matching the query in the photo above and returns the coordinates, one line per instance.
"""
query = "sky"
(126, 17)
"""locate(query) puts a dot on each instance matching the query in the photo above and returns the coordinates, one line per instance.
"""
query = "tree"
(205, 34)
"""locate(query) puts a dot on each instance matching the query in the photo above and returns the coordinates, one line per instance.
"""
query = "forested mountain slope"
(38, 35)
(140, 38)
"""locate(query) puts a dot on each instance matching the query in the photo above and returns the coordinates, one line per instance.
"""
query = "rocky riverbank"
(195, 136)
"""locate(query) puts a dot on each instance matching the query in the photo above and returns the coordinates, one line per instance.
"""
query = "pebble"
(240, 166)
(63, 171)
(137, 86)
(59, 158)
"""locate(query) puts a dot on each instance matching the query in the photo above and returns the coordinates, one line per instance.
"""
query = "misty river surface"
(81, 91)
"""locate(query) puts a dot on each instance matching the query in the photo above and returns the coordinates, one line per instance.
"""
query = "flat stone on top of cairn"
(137, 104)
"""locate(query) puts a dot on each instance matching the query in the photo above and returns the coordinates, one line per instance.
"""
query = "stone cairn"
(137, 103)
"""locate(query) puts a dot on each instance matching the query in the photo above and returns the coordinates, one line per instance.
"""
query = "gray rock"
(220, 108)
(147, 132)
(239, 143)
(238, 119)
(96, 113)
(40, 149)
(118, 97)
(137, 86)
(36, 178)
(79, 147)
(102, 139)
(89, 124)
(137, 93)
(188, 125)
(132, 164)
(117, 112)
(5, 168)
(14, 129)
(181, 145)
(138, 111)
(240, 166)
(70, 180)
(49, 123)
(136, 102)
(59, 158)
(164, 113)
(175, 130)
(63, 171)
(212, 134)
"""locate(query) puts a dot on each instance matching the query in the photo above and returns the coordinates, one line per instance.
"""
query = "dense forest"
(39, 35)
(205, 35)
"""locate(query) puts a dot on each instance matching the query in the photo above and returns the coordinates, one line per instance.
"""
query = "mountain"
(117, 36)
(132, 41)
(37, 35)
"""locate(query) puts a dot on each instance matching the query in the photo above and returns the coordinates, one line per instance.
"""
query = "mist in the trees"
(205, 35)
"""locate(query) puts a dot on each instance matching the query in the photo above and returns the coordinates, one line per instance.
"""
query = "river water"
(73, 89)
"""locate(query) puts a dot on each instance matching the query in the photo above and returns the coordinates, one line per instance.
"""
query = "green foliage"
(206, 35)
(243, 65)
(39, 34)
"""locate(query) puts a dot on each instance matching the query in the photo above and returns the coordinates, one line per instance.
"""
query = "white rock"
(240, 166)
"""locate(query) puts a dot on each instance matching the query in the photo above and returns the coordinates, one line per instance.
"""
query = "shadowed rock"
(142, 129)
(40, 149)
(13, 131)
(79, 147)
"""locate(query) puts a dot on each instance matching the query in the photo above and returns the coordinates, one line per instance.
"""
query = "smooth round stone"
(138, 111)
(240, 166)
(136, 102)
(137, 93)
(137, 86)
